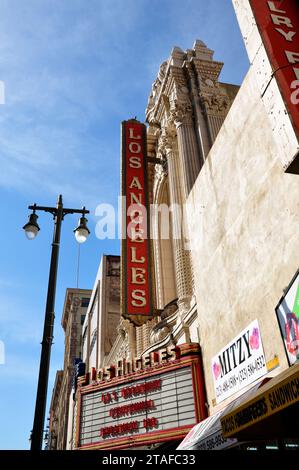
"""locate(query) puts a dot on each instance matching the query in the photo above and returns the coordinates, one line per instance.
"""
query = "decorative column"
(181, 255)
(201, 122)
(181, 114)
(215, 98)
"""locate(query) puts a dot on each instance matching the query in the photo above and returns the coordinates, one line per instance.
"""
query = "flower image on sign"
(287, 312)
(240, 363)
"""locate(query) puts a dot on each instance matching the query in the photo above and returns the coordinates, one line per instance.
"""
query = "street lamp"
(82, 232)
(31, 230)
(32, 227)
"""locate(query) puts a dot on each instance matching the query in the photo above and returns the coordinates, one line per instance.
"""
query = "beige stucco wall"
(243, 217)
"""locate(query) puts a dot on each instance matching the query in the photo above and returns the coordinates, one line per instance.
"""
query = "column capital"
(166, 141)
(181, 112)
(214, 103)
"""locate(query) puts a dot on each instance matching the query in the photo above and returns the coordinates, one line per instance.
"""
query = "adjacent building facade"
(103, 315)
(73, 316)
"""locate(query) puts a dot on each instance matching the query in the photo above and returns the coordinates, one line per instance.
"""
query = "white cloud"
(60, 85)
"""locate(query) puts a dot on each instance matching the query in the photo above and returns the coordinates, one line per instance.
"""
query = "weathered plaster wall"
(243, 217)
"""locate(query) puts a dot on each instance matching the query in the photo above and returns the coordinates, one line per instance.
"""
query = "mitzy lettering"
(235, 354)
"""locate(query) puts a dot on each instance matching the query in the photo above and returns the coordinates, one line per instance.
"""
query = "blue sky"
(73, 70)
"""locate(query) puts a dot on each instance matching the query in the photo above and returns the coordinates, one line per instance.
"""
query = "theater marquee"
(152, 399)
(136, 280)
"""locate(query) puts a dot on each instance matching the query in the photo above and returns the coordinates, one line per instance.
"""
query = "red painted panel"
(278, 24)
(136, 256)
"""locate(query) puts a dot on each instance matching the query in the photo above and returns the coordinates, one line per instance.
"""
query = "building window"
(93, 340)
(84, 302)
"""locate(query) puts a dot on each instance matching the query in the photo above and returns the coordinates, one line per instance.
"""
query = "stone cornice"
(158, 103)
(170, 97)
(207, 70)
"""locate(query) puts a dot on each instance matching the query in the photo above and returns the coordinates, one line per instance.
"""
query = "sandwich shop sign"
(239, 363)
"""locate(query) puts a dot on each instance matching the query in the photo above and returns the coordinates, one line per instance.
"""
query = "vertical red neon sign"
(136, 282)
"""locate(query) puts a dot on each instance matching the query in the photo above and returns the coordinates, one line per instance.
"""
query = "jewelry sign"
(278, 24)
(136, 286)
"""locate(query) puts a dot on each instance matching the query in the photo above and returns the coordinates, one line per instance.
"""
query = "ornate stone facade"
(185, 111)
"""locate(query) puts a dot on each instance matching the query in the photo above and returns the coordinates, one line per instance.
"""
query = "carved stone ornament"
(162, 71)
(161, 170)
(165, 326)
(181, 112)
(157, 85)
(151, 103)
(123, 328)
(214, 103)
(124, 351)
(159, 334)
(166, 140)
(160, 174)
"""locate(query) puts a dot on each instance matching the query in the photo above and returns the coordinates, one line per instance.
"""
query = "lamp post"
(31, 230)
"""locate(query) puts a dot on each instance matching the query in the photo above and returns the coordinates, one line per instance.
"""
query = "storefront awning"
(207, 435)
(273, 410)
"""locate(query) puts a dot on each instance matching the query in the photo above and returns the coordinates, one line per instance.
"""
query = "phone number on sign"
(252, 368)
(212, 443)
